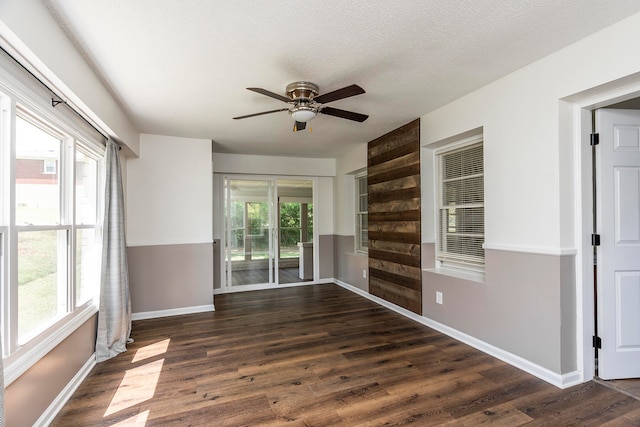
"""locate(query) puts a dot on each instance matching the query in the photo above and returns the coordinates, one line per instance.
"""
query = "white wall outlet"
(364, 274)
(438, 297)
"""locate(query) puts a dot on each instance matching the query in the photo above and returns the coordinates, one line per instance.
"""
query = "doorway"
(616, 219)
(268, 232)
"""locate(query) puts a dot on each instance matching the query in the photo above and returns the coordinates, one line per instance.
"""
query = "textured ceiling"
(181, 67)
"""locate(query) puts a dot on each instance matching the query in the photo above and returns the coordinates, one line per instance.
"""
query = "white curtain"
(114, 317)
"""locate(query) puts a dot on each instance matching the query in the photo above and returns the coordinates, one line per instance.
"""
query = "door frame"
(575, 124)
(221, 215)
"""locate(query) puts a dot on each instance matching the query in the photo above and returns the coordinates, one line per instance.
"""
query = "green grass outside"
(37, 279)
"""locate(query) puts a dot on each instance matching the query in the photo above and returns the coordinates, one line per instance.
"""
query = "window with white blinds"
(460, 188)
(362, 214)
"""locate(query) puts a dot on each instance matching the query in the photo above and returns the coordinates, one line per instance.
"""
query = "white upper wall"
(324, 206)
(526, 162)
(169, 192)
(353, 161)
(29, 29)
(273, 165)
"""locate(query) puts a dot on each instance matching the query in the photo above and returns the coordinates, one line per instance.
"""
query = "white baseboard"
(172, 312)
(558, 380)
(58, 403)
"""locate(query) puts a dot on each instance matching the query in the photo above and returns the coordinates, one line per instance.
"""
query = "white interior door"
(618, 256)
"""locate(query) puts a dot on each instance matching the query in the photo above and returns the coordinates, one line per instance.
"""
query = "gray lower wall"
(29, 396)
(218, 262)
(525, 306)
(326, 249)
(348, 264)
(170, 276)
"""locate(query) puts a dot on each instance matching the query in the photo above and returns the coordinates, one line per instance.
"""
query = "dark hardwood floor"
(320, 356)
(259, 276)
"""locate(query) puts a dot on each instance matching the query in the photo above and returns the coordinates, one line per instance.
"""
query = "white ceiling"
(181, 67)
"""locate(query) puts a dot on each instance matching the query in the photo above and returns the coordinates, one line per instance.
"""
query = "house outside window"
(460, 205)
(362, 214)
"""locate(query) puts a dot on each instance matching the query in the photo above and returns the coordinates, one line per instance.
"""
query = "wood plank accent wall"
(393, 181)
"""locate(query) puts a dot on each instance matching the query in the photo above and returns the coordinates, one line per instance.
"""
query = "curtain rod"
(59, 100)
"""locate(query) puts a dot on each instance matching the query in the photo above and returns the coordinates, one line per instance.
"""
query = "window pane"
(362, 185)
(37, 175)
(461, 200)
(310, 220)
(463, 162)
(363, 232)
(87, 266)
(258, 229)
(86, 189)
(463, 191)
(362, 206)
(290, 229)
(41, 280)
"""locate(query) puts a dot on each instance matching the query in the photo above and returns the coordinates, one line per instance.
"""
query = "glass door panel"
(295, 231)
(249, 236)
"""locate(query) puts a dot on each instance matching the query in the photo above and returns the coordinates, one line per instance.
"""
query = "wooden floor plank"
(320, 356)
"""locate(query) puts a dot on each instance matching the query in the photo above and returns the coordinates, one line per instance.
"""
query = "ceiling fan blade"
(260, 114)
(343, 114)
(269, 93)
(345, 92)
(299, 126)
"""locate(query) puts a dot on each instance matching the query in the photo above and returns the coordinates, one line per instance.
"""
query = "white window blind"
(460, 182)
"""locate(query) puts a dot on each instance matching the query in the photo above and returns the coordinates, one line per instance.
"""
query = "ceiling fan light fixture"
(303, 114)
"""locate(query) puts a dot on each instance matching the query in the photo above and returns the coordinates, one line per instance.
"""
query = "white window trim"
(358, 238)
(30, 353)
(453, 268)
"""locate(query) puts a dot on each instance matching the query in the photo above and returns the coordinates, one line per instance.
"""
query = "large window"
(362, 215)
(50, 234)
(460, 189)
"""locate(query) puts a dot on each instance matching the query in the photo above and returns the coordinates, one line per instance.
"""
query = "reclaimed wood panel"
(399, 248)
(393, 185)
(395, 206)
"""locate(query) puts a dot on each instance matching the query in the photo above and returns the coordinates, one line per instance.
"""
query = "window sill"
(472, 276)
(19, 362)
(356, 253)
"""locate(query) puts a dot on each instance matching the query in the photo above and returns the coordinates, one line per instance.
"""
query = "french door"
(268, 231)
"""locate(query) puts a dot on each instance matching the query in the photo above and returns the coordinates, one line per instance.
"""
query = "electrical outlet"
(364, 274)
(438, 297)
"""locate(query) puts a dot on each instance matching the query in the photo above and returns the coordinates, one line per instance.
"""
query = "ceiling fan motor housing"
(304, 91)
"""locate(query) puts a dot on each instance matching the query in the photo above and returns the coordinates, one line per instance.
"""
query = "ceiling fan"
(306, 103)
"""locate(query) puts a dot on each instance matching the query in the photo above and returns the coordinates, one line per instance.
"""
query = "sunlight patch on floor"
(139, 420)
(151, 350)
(137, 386)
